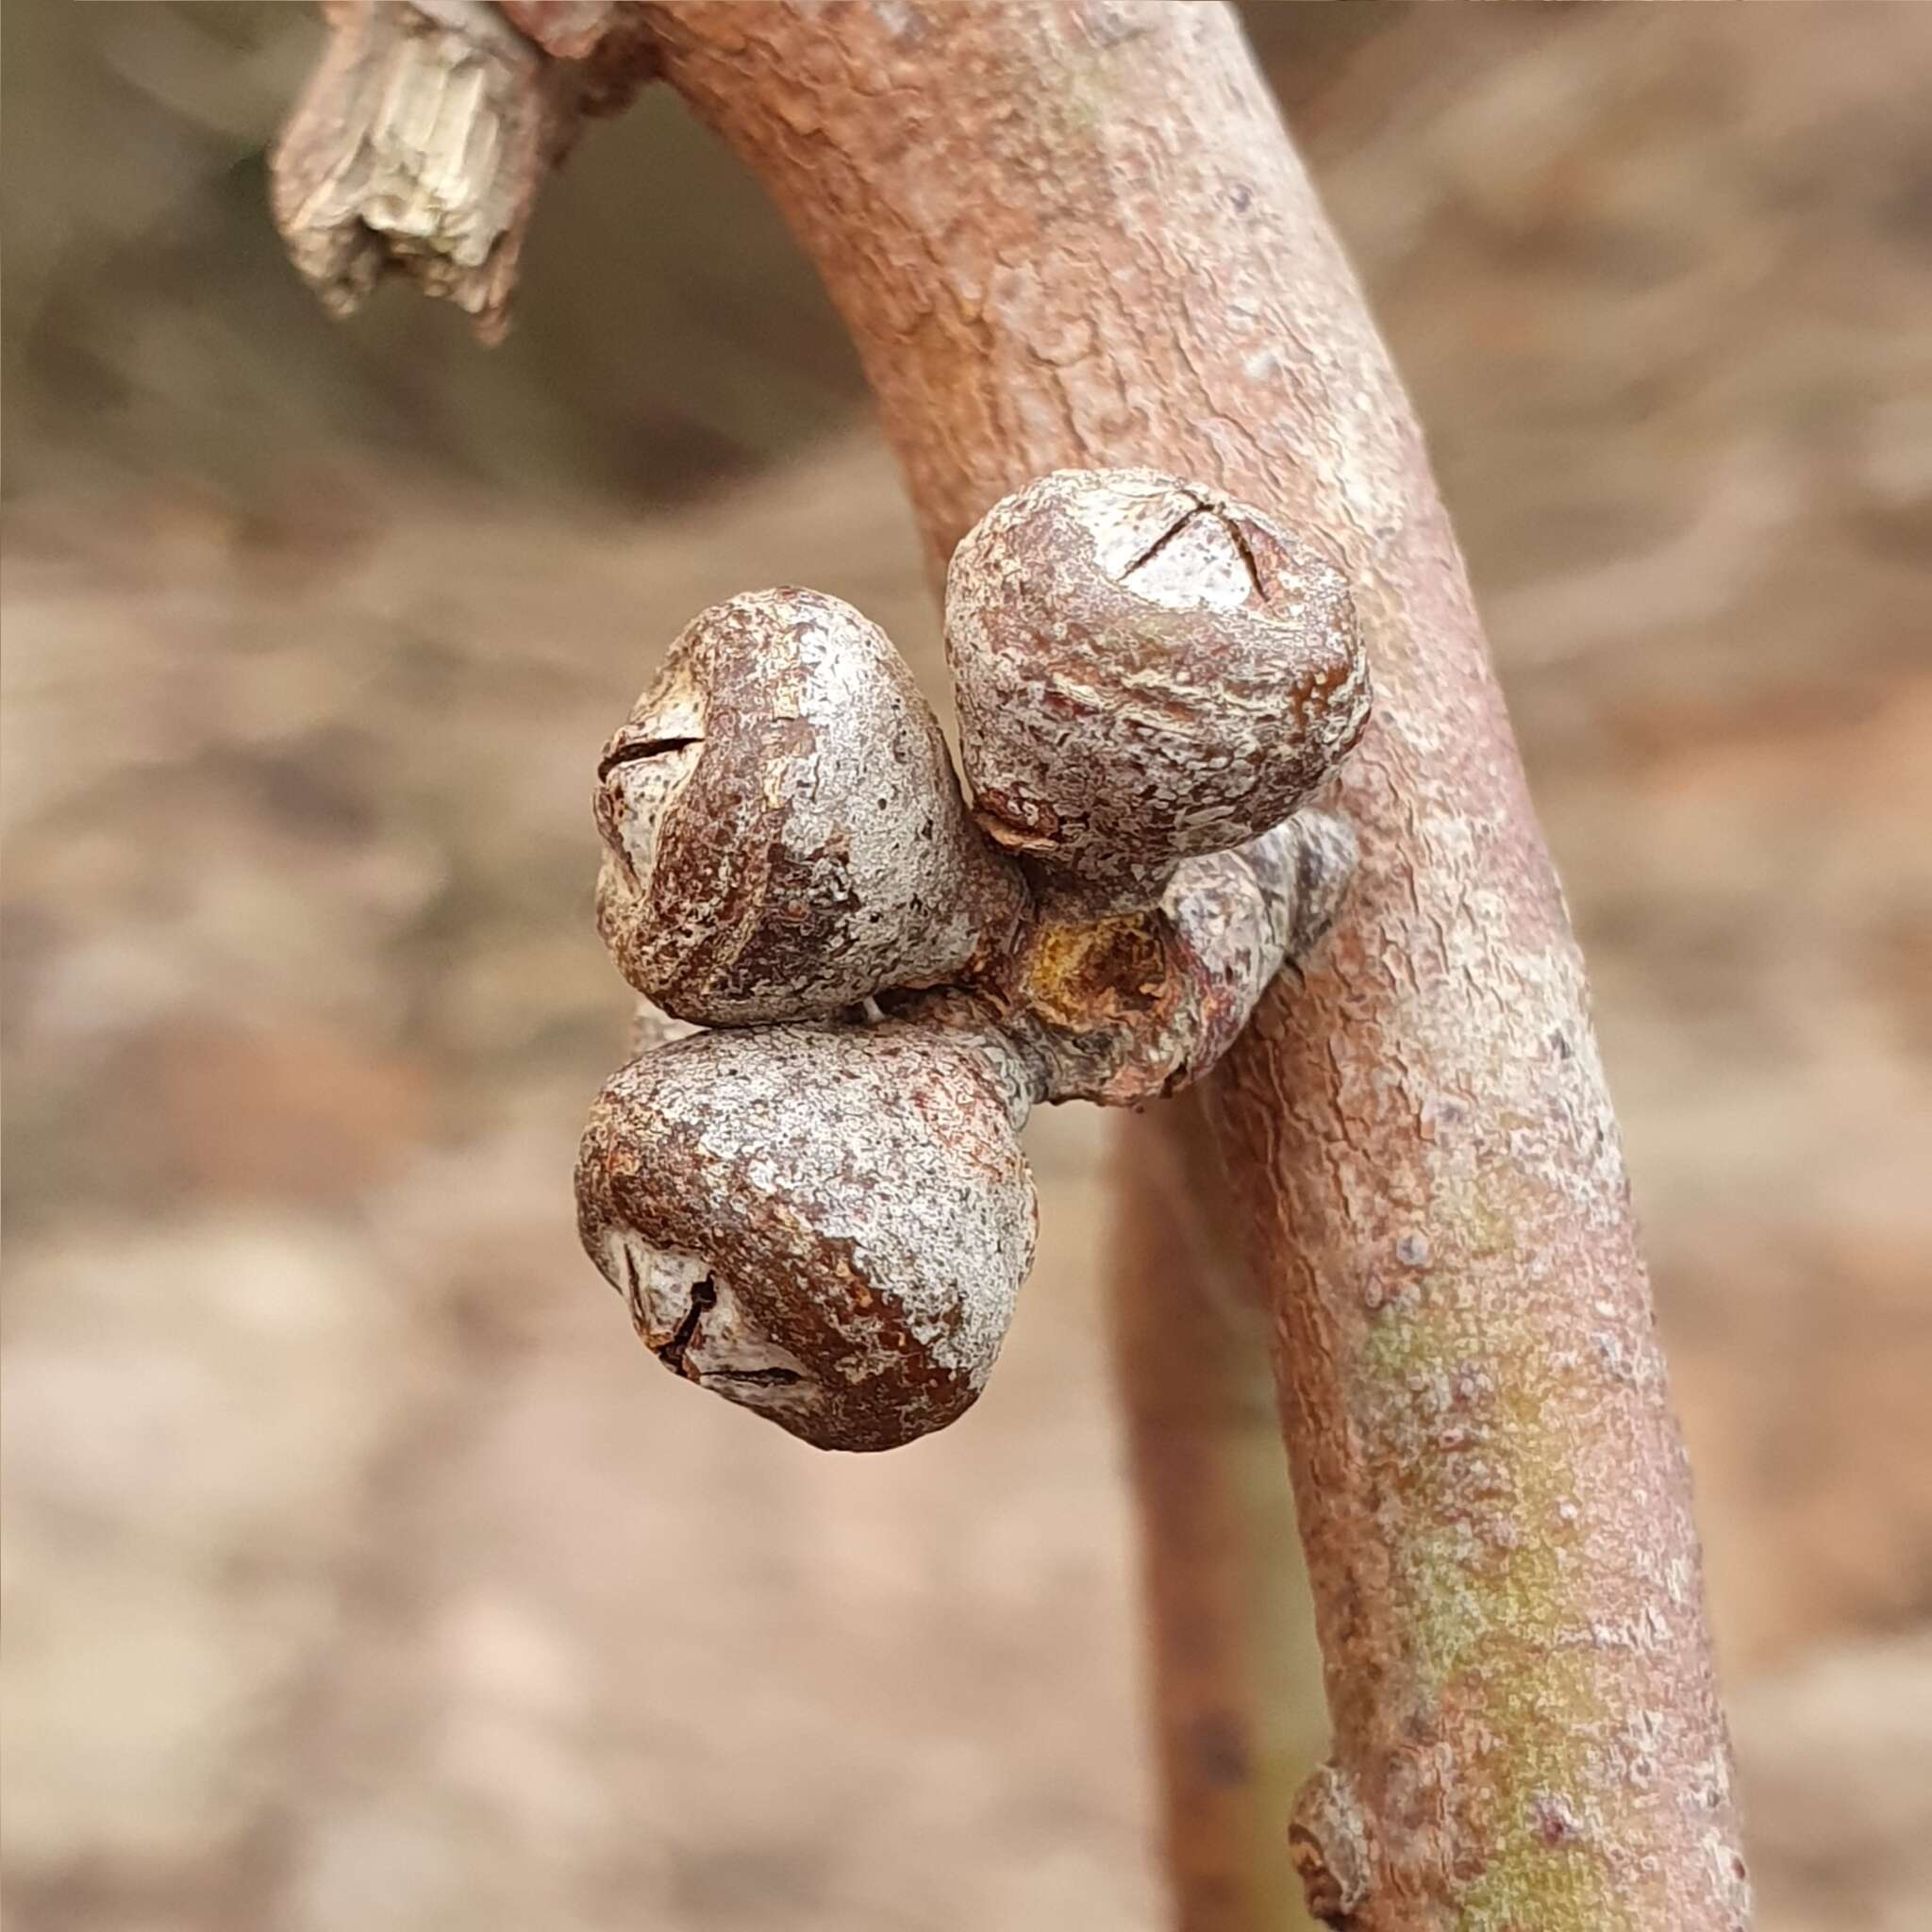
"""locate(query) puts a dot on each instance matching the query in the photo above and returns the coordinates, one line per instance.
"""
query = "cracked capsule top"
(828, 1223)
(1146, 670)
(783, 832)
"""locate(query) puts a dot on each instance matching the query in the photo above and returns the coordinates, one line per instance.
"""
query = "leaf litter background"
(359, 1571)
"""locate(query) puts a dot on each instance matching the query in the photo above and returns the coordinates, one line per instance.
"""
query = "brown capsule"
(783, 832)
(826, 1222)
(1146, 670)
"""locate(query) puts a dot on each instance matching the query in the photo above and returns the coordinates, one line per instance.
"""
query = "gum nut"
(783, 833)
(827, 1224)
(1146, 669)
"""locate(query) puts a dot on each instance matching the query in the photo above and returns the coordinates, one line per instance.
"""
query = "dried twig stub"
(828, 1224)
(419, 145)
(422, 137)
(783, 833)
(1146, 670)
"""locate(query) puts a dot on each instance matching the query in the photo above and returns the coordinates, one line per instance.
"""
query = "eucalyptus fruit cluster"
(807, 1184)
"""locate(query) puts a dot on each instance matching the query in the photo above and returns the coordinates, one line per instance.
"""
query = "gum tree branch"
(1074, 233)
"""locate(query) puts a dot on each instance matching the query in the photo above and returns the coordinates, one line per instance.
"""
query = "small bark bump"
(1328, 1841)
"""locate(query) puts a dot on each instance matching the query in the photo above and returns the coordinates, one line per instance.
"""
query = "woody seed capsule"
(783, 833)
(1146, 670)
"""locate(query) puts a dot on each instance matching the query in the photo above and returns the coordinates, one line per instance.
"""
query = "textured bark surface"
(426, 133)
(1075, 235)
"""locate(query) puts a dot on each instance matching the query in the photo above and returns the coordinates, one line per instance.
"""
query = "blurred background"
(359, 1570)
